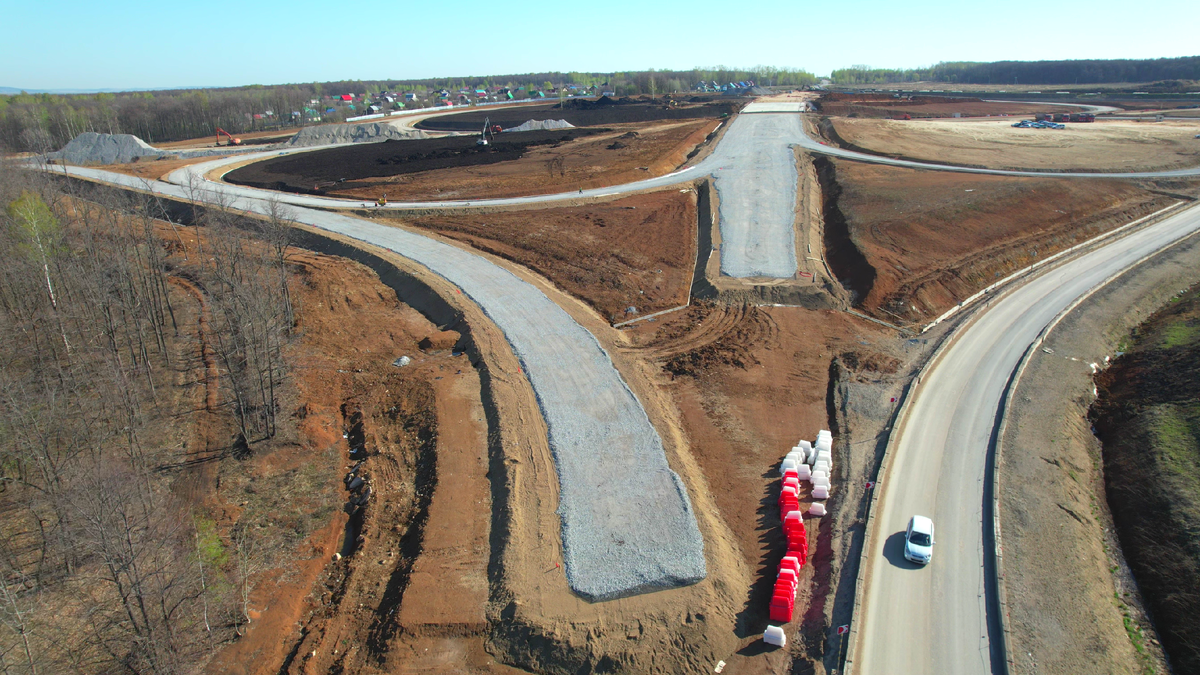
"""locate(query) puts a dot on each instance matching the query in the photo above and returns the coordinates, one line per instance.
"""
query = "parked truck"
(1083, 117)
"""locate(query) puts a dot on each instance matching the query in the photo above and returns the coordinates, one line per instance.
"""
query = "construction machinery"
(382, 201)
(232, 141)
(489, 132)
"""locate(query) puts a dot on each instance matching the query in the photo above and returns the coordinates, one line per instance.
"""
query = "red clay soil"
(348, 394)
(910, 244)
(633, 252)
(756, 381)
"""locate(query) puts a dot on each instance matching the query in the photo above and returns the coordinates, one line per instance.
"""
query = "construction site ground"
(604, 111)
(867, 105)
(637, 252)
(730, 386)
(1102, 146)
(910, 244)
(516, 164)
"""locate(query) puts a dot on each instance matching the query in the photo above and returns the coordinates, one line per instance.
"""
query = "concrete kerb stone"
(1013, 384)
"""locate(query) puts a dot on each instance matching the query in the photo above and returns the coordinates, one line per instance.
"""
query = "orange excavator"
(226, 134)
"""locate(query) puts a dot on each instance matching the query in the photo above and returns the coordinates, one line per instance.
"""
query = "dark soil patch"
(581, 113)
(1148, 419)
(314, 172)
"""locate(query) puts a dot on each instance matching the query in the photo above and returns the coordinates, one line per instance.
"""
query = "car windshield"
(919, 539)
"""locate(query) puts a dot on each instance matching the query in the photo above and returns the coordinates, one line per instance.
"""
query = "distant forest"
(1170, 74)
(41, 122)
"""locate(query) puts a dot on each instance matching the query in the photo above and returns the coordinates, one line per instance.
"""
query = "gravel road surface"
(941, 618)
(756, 182)
(627, 522)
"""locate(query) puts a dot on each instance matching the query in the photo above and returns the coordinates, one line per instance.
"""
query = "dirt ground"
(1076, 602)
(925, 106)
(350, 396)
(749, 383)
(585, 112)
(619, 155)
(1096, 146)
(638, 251)
(922, 240)
(155, 169)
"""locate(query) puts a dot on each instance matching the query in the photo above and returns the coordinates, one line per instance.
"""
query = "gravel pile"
(93, 148)
(542, 125)
(372, 132)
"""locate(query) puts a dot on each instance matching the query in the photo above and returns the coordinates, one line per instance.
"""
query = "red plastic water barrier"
(782, 606)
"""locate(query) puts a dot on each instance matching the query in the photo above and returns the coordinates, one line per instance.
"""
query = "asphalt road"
(627, 522)
(941, 618)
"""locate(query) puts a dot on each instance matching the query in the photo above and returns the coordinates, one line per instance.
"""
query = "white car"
(918, 540)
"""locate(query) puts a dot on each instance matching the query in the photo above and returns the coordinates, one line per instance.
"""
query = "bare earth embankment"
(911, 244)
(1148, 417)
(637, 252)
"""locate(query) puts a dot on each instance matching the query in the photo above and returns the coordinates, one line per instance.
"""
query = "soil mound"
(93, 148)
(585, 104)
(542, 125)
(373, 132)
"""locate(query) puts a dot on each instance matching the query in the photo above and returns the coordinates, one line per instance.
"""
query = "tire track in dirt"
(211, 372)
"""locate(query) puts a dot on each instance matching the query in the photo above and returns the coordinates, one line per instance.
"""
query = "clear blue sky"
(92, 44)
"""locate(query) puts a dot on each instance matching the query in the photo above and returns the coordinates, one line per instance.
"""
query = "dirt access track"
(1106, 146)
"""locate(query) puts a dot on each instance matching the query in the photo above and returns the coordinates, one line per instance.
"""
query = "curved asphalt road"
(627, 522)
(936, 620)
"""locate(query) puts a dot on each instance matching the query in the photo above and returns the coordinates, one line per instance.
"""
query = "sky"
(136, 44)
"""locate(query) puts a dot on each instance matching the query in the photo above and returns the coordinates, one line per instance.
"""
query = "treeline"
(1174, 73)
(44, 122)
(104, 568)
